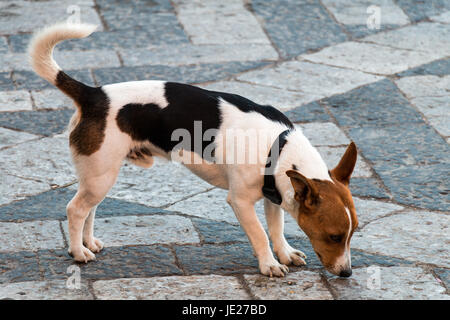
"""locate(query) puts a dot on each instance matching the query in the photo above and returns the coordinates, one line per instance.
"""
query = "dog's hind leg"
(92, 190)
(92, 243)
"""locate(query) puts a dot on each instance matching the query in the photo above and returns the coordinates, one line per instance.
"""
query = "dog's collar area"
(269, 188)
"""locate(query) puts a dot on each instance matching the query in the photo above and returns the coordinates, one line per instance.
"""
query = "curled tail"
(41, 55)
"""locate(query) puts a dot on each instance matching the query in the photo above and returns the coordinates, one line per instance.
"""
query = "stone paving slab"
(18, 100)
(332, 156)
(143, 230)
(302, 285)
(281, 99)
(311, 112)
(51, 205)
(354, 15)
(16, 15)
(176, 55)
(51, 99)
(46, 160)
(172, 288)
(293, 34)
(395, 283)
(221, 23)
(19, 266)
(309, 78)
(30, 236)
(112, 263)
(432, 38)
(22, 187)
(398, 235)
(324, 134)
(371, 58)
(419, 10)
(163, 184)
(43, 290)
(368, 187)
(11, 137)
(28, 80)
(437, 68)
(371, 210)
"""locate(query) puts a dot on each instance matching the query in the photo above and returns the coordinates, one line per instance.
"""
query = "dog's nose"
(345, 273)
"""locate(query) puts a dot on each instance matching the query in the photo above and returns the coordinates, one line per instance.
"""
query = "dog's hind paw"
(94, 244)
(82, 254)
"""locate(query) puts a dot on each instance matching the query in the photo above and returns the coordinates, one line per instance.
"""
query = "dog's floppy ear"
(306, 191)
(344, 169)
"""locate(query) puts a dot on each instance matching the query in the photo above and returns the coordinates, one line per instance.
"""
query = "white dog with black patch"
(251, 150)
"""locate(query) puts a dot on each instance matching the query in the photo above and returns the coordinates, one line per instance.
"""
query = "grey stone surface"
(18, 100)
(189, 74)
(444, 276)
(400, 144)
(324, 134)
(217, 259)
(172, 288)
(22, 187)
(301, 285)
(16, 16)
(143, 230)
(3, 45)
(297, 26)
(368, 187)
(52, 205)
(371, 210)
(430, 95)
(443, 17)
(176, 55)
(332, 156)
(424, 186)
(278, 98)
(309, 78)
(355, 12)
(30, 236)
(112, 263)
(11, 137)
(432, 38)
(438, 68)
(19, 266)
(309, 112)
(28, 80)
(44, 290)
(51, 99)
(46, 160)
(398, 235)
(6, 82)
(419, 10)
(212, 231)
(221, 23)
(366, 105)
(395, 283)
(45, 123)
(163, 184)
(372, 58)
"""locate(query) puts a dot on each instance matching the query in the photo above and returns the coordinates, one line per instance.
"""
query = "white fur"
(43, 42)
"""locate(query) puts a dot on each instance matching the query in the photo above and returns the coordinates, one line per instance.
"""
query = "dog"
(138, 120)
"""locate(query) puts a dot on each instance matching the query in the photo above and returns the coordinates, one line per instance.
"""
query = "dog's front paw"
(273, 268)
(289, 255)
(82, 254)
(94, 244)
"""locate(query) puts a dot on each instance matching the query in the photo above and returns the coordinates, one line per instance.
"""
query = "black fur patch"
(186, 105)
(93, 105)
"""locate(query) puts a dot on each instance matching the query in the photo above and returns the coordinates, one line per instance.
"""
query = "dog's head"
(326, 213)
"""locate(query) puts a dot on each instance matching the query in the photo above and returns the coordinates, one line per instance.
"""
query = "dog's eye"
(336, 238)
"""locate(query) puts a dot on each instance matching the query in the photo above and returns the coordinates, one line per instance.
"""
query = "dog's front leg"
(245, 212)
(91, 242)
(275, 223)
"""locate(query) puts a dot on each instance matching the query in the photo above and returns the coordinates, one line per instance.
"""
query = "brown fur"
(322, 208)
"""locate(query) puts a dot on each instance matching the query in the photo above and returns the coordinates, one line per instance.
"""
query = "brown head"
(326, 213)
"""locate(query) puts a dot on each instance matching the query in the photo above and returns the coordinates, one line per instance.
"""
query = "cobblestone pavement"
(170, 235)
